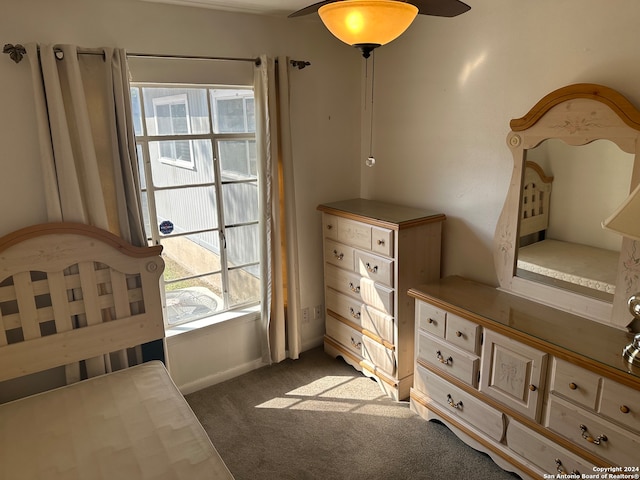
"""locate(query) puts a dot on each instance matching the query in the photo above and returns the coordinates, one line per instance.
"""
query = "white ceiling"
(260, 7)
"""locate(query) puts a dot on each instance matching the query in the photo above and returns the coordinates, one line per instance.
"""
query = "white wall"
(446, 90)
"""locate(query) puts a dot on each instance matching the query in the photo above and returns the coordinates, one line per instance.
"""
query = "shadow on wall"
(464, 252)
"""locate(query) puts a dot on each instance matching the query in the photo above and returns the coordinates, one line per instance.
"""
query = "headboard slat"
(28, 313)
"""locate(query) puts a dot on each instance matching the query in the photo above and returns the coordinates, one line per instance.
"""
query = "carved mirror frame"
(576, 114)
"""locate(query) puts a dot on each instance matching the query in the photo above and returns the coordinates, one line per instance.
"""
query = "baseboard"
(219, 377)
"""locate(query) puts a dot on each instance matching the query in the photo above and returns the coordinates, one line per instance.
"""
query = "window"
(172, 119)
(198, 170)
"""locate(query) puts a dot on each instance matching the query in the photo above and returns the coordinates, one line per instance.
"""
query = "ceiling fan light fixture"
(367, 24)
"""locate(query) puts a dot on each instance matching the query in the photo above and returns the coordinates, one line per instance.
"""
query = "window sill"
(246, 314)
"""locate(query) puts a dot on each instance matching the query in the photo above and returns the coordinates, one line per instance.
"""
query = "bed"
(566, 263)
(77, 299)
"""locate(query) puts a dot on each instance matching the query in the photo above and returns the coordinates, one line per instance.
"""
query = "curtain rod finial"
(300, 64)
(16, 52)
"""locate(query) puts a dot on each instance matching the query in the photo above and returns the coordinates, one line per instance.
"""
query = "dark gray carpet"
(318, 418)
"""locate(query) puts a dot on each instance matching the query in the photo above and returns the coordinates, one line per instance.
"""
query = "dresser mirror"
(574, 163)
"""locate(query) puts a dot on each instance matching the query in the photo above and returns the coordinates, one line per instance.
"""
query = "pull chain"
(370, 162)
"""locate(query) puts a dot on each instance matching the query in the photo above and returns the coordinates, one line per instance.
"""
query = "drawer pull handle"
(446, 361)
(355, 344)
(453, 404)
(380, 242)
(533, 388)
(354, 314)
(329, 227)
(561, 470)
(458, 333)
(573, 386)
(371, 269)
(432, 321)
(354, 288)
(339, 256)
(590, 439)
(624, 409)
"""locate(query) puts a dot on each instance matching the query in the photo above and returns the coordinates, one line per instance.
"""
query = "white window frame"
(145, 138)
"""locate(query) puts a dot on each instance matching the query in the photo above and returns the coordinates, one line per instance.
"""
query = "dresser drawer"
(378, 323)
(342, 280)
(586, 430)
(348, 337)
(374, 267)
(430, 319)
(376, 295)
(551, 458)
(354, 233)
(448, 358)
(575, 383)
(460, 404)
(621, 404)
(330, 226)
(379, 355)
(463, 333)
(339, 254)
(382, 241)
(345, 306)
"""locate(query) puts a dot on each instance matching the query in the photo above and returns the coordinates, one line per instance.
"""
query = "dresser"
(373, 253)
(542, 391)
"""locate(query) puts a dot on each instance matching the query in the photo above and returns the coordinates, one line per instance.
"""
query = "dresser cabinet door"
(513, 373)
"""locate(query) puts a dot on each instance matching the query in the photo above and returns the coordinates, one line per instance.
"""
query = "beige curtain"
(279, 255)
(87, 145)
(87, 148)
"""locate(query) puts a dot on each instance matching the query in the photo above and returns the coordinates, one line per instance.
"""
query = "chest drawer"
(593, 433)
(374, 267)
(448, 358)
(463, 333)
(378, 323)
(575, 383)
(345, 306)
(620, 403)
(354, 233)
(342, 280)
(339, 254)
(376, 295)
(430, 319)
(330, 226)
(345, 335)
(459, 403)
(551, 458)
(379, 355)
(382, 241)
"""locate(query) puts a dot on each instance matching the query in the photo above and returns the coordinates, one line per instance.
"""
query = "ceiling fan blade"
(441, 8)
(310, 9)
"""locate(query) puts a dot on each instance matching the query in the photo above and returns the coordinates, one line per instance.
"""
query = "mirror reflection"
(567, 192)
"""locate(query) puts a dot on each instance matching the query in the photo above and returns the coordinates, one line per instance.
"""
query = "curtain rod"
(17, 52)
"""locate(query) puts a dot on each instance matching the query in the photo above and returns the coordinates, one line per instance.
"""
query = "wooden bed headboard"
(536, 194)
(72, 293)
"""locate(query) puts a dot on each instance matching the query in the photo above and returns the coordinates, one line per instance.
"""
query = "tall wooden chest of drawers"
(373, 253)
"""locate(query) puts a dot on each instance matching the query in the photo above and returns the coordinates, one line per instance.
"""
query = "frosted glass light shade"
(626, 219)
(367, 22)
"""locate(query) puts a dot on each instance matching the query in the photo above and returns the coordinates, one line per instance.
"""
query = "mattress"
(575, 263)
(130, 424)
